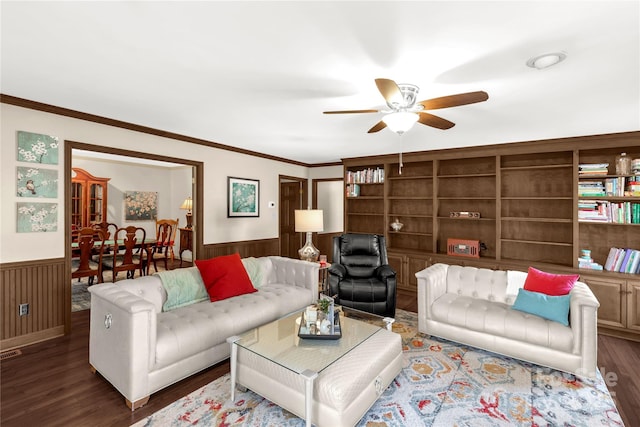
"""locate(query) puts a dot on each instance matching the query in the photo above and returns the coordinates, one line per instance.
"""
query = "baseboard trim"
(32, 338)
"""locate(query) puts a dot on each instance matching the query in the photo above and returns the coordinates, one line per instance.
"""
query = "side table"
(323, 287)
(186, 241)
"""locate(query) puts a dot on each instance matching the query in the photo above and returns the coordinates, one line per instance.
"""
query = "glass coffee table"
(276, 352)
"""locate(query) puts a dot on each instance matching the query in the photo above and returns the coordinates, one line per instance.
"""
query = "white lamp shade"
(401, 121)
(187, 204)
(309, 220)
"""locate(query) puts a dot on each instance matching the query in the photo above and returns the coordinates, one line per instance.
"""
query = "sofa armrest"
(296, 272)
(583, 318)
(384, 272)
(126, 322)
(432, 284)
(338, 270)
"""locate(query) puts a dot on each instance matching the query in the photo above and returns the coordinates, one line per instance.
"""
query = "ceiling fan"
(404, 111)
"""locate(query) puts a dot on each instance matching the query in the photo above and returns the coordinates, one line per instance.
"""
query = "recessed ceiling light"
(547, 60)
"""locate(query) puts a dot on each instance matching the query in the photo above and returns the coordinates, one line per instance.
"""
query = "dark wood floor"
(50, 383)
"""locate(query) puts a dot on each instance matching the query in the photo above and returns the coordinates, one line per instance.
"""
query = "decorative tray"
(317, 333)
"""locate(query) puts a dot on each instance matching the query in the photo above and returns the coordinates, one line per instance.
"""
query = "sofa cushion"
(550, 284)
(198, 327)
(496, 318)
(258, 269)
(225, 277)
(483, 283)
(555, 308)
(184, 286)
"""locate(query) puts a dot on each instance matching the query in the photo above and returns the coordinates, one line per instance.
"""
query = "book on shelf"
(589, 264)
(634, 263)
(611, 259)
(593, 168)
(366, 176)
(623, 261)
(353, 190)
(606, 211)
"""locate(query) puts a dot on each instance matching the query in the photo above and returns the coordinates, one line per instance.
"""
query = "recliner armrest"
(384, 272)
(338, 270)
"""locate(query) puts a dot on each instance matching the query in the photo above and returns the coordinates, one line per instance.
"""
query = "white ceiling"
(258, 75)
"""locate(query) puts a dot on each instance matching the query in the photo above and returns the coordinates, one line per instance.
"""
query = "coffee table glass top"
(278, 341)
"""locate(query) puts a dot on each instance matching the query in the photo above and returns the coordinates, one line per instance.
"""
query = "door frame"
(304, 196)
(197, 193)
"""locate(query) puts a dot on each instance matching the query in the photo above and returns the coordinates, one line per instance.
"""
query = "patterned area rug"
(80, 296)
(442, 384)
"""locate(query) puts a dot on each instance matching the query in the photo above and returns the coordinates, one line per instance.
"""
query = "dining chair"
(128, 239)
(108, 228)
(161, 248)
(89, 242)
(174, 227)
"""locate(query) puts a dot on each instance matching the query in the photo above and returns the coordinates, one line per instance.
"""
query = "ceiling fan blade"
(435, 121)
(378, 127)
(390, 91)
(454, 100)
(350, 111)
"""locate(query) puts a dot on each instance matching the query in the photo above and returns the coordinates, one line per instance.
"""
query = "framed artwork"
(37, 148)
(243, 197)
(37, 217)
(36, 182)
(140, 205)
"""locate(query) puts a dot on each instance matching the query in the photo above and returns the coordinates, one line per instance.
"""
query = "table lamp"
(309, 221)
(188, 206)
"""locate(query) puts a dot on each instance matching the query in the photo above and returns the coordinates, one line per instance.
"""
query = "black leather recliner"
(360, 276)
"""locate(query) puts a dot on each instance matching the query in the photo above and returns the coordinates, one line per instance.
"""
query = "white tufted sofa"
(473, 306)
(140, 349)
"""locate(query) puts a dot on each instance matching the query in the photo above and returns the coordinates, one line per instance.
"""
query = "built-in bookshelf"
(410, 202)
(529, 197)
(536, 196)
(467, 185)
(608, 215)
(364, 206)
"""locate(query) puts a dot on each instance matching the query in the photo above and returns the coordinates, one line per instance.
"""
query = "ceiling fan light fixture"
(547, 60)
(400, 121)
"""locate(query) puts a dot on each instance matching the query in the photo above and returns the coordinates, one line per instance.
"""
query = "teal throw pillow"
(549, 307)
(184, 286)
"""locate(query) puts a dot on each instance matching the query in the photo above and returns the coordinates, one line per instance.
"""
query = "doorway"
(195, 190)
(294, 195)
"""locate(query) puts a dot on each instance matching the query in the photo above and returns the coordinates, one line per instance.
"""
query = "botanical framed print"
(37, 217)
(37, 182)
(140, 205)
(243, 197)
(37, 148)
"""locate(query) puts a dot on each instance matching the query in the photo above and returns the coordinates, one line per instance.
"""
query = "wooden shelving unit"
(527, 196)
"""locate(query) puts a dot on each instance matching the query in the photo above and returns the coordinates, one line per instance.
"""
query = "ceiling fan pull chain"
(400, 165)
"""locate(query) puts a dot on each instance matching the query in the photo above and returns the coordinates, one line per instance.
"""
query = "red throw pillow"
(224, 277)
(549, 284)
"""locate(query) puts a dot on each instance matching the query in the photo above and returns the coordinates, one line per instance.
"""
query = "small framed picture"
(243, 197)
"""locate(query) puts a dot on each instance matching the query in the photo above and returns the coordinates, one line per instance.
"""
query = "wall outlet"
(23, 309)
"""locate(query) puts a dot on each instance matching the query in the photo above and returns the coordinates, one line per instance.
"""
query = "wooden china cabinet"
(88, 198)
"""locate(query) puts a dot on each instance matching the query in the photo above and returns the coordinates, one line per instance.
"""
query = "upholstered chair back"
(361, 254)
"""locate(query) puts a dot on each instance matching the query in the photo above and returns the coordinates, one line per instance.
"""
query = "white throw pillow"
(515, 281)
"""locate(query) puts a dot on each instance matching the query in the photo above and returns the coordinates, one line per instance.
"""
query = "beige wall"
(218, 165)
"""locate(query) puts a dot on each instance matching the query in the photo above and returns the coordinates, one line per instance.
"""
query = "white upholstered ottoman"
(337, 395)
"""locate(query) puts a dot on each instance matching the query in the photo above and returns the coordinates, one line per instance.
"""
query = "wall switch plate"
(23, 309)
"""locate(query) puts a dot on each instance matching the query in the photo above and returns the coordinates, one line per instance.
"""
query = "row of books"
(623, 261)
(605, 211)
(613, 187)
(593, 169)
(366, 176)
